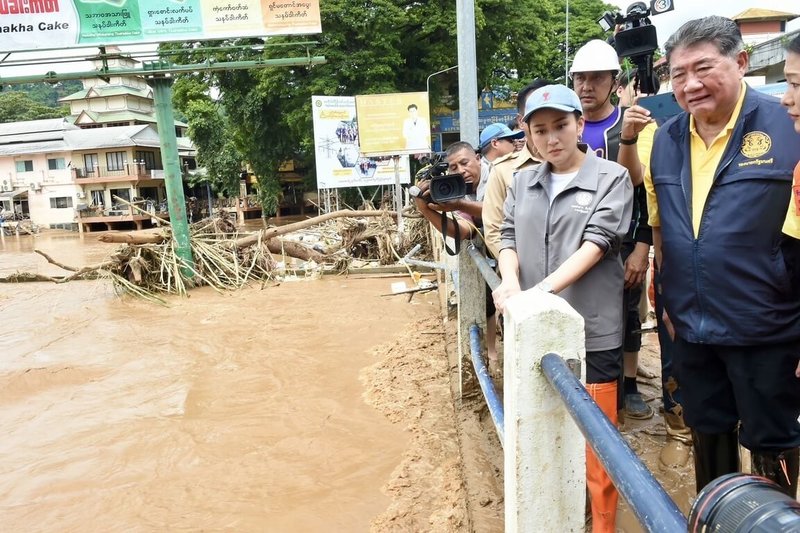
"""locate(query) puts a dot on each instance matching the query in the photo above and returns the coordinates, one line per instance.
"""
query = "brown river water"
(219, 412)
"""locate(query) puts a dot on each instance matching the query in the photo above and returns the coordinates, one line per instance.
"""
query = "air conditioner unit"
(6, 186)
(81, 195)
(35, 186)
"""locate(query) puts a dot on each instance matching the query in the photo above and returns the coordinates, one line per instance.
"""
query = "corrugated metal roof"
(96, 139)
(34, 126)
(759, 14)
(33, 148)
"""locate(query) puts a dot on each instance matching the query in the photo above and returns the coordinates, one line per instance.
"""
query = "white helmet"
(595, 56)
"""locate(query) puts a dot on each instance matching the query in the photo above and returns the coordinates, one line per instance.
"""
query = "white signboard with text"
(338, 154)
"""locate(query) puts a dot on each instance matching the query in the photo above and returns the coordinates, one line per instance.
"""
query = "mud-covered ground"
(451, 478)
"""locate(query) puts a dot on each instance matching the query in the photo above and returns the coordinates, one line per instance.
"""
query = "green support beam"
(176, 202)
(165, 68)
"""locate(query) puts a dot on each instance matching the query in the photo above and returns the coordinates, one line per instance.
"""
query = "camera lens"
(444, 189)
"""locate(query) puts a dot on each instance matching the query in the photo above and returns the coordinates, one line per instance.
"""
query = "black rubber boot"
(779, 467)
(714, 455)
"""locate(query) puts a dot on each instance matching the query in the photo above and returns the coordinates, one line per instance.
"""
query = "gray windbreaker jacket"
(595, 206)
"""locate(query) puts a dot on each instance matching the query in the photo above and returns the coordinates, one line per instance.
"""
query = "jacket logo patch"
(583, 199)
(755, 144)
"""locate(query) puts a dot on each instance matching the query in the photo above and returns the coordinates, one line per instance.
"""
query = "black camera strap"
(457, 238)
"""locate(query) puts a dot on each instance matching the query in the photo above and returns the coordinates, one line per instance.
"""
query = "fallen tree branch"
(270, 233)
(295, 249)
(21, 277)
(133, 238)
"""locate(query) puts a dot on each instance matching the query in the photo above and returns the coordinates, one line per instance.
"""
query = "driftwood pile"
(147, 264)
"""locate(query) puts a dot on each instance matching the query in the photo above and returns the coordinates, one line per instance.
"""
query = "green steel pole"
(162, 96)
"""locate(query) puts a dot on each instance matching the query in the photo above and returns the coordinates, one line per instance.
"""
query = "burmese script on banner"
(48, 24)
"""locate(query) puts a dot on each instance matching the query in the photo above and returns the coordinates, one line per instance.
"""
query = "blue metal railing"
(653, 507)
(493, 400)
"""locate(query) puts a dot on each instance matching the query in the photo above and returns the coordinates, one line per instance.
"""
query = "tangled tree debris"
(146, 263)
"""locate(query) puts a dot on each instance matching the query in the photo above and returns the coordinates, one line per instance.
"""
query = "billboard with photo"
(28, 25)
(340, 162)
(396, 123)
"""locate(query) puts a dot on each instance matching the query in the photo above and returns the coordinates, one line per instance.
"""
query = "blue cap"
(498, 130)
(558, 97)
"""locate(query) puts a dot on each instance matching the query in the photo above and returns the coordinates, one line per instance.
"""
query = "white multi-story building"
(66, 173)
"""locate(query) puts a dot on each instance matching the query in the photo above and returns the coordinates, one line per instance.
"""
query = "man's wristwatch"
(628, 142)
(545, 287)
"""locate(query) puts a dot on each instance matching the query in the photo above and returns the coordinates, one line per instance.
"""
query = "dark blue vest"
(737, 283)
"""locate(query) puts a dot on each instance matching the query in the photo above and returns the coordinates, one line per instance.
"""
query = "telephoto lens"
(743, 503)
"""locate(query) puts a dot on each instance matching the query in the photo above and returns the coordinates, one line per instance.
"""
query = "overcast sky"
(685, 10)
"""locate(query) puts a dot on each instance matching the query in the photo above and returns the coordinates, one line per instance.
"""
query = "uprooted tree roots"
(147, 263)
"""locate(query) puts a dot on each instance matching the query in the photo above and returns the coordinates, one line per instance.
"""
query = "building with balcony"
(67, 173)
(61, 175)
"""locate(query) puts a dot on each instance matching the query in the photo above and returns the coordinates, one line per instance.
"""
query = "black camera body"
(442, 186)
(638, 39)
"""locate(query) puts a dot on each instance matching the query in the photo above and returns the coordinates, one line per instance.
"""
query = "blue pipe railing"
(653, 507)
(493, 400)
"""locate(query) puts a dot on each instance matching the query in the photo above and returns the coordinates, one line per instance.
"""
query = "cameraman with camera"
(442, 190)
(438, 194)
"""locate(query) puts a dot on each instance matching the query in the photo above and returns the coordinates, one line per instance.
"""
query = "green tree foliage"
(17, 106)
(374, 46)
(49, 93)
(216, 150)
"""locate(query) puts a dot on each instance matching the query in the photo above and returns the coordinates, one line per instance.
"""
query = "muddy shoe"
(674, 454)
(636, 408)
(676, 427)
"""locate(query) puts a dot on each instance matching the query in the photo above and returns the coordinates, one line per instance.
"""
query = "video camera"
(638, 39)
(443, 186)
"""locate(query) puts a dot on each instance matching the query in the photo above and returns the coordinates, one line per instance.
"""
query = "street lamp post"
(428, 82)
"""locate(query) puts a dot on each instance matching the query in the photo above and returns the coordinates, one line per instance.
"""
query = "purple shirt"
(593, 133)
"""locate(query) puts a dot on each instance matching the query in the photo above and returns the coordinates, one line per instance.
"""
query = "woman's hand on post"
(506, 289)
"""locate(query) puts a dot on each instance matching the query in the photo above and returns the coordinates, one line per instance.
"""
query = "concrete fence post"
(545, 465)
(471, 290)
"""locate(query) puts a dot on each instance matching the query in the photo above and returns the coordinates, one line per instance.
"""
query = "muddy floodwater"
(220, 412)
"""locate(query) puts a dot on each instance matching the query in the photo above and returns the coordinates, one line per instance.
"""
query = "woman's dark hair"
(794, 45)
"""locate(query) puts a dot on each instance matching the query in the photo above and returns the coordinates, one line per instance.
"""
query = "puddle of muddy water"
(235, 412)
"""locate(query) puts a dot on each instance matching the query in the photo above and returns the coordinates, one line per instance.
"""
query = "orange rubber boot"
(601, 490)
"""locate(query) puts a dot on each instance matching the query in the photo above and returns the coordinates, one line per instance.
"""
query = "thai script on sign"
(21, 7)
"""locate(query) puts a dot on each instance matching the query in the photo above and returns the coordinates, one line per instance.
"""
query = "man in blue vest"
(721, 175)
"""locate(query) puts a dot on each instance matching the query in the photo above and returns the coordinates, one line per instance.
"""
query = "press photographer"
(461, 159)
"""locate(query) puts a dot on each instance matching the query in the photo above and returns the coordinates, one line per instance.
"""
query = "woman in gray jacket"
(564, 222)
